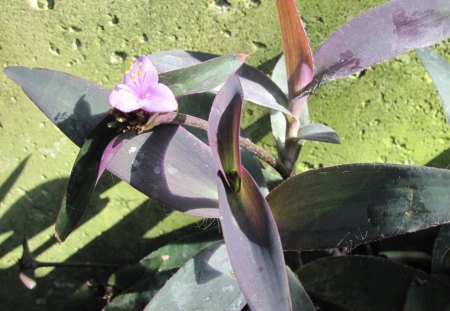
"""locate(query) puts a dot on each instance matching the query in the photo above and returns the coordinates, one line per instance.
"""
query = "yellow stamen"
(133, 77)
(139, 72)
(129, 68)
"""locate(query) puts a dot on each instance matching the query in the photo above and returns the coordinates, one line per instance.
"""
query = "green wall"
(391, 113)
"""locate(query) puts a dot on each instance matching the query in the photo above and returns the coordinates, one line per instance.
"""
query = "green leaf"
(206, 282)
(347, 205)
(165, 258)
(318, 132)
(441, 251)
(420, 296)
(300, 299)
(258, 88)
(176, 254)
(202, 77)
(250, 162)
(137, 296)
(439, 70)
(83, 179)
(366, 283)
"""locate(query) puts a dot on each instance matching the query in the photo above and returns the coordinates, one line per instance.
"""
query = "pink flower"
(140, 90)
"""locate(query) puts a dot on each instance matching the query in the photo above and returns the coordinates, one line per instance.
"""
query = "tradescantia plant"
(135, 132)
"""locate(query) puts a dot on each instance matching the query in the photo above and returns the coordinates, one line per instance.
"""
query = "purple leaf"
(172, 167)
(249, 230)
(379, 34)
(224, 130)
(253, 245)
(75, 105)
(111, 149)
(297, 52)
(353, 204)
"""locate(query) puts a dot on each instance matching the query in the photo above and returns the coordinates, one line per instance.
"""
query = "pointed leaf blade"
(439, 70)
(300, 299)
(83, 179)
(380, 34)
(258, 88)
(319, 132)
(224, 127)
(297, 52)
(202, 77)
(75, 105)
(348, 205)
(254, 246)
(205, 282)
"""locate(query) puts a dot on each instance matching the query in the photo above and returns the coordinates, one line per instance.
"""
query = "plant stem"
(188, 120)
(86, 264)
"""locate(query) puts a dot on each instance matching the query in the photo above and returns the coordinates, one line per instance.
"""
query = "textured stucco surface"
(391, 113)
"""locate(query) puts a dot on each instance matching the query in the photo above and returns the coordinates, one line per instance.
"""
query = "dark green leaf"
(137, 297)
(258, 88)
(174, 255)
(83, 179)
(439, 70)
(202, 77)
(347, 205)
(205, 282)
(300, 299)
(168, 257)
(420, 297)
(441, 251)
(250, 162)
(366, 283)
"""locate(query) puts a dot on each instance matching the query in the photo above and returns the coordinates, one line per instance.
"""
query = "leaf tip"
(58, 237)
(242, 56)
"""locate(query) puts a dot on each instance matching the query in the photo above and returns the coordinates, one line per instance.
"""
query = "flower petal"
(124, 99)
(141, 75)
(160, 99)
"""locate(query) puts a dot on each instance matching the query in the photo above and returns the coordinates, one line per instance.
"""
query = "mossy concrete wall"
(391, 113)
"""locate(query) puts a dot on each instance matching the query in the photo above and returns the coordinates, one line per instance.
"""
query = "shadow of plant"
(68, 288)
